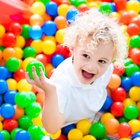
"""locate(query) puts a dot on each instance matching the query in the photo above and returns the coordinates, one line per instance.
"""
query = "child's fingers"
(35, 76)
(42, 75)
(28, 78)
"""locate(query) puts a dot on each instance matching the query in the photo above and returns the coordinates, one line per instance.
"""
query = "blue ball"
(66, 129)
(51, 9)
(126, 83)
(3, 86)
(9, 97)
(113, 7)
(1, 136)
(1, 99)
(3, 72)
(107, 104)
(35, 32)
(135, 135)
(22, 135)
(136, 78)
(9, 75)
(7, 111)
(49, 28)
(57, 59)
(71, 15)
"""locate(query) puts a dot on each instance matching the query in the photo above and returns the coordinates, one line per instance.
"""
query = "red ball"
(10, 124)
(9, 40)
(133, 29)
(136, 20)
(135, 56)
(117, 109)
(118, 69)
(120, 4)
(118, 95)
(124, 130)
(19, 74)
(62, 137)
(15, 28)
(43, 58)
(83, 7)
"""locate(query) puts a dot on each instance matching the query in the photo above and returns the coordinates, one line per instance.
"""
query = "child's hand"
(41, 82)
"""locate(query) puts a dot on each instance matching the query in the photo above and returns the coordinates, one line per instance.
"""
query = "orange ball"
(114, 82)
(18, 112)
(36, 19)
(111, 126)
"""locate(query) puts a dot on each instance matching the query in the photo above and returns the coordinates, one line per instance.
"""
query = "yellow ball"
(23, 85)
(124, 139)
(133, 5)
(37, 121)
(38, 8)
(56, 135)
(106, 116)
(134, 93)
(37, 45)
(12, 84)
(1, 126)
(88, 137)
(135, 125)
(75, 134)
(2, 30)
(92, 4)
(128, 101)
(52, 38)
(19, 52)
(84, 126)
(63, 9)
(59, 36)
(48, 47)
(1, 118)
(20, 41)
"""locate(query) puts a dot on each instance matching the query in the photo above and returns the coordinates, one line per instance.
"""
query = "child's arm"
(51, 117)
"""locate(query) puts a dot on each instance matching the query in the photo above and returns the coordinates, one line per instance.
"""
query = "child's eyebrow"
(105, 58)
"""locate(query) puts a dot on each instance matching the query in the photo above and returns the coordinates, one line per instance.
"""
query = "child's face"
(91, 64)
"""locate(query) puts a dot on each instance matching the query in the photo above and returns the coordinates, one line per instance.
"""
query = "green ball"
(135, 42)
(44, 1)
(98, 130)
(22, 99)
(25, 31)
(25, 122)
(32, 96)
(12, 64)
(13, 133)
(37, 64)
(131, 112)
(122, 119)
(105, 8)
(33, 110)
(29, 52)
(127, 61)
(5, 134)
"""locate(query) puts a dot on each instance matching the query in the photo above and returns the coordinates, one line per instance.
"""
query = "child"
(77, 88)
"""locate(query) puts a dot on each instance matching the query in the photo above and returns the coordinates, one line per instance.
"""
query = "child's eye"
(85, 55)
(102, 61)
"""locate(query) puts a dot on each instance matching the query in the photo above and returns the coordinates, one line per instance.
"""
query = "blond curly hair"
(99, 27)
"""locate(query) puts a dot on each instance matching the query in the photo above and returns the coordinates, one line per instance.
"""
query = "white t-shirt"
(78, 101)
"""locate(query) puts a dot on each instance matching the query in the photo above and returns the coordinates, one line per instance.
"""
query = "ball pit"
(38, 37)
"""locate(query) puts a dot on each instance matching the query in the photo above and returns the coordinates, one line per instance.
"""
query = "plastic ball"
(134, 93)
(12, 64)
(135, 56)
(122, 119)
(36, 44)
(23, 85)
(128, 101)
(19, 74)
(1, 137)
(106, 116)
(124, 130)
(63, 9)
(135, 41)
(49, 28)
(62, 137)
(114, 82)
(5, 134)
(75, 134)
(4, 72)
(105, 8)
(111, 126)
(37, 65)
(13, 133)
(9, 39)
(43, 59)
(48, 47)
(33, 110)
(25, 122)
(22, 99)
(97, 130)
(120, 4)
(9, 96)
(71, 15)
(12, 84)
(1, 126)
(117, 109)
(131, 112)
(19, 112)
(83, 7)
(25, 31)
(135, 135)
(10, 124)
(38, 8)
(59, 36)
(2, 30)
(1, 100)
(20, 41)
(118, 69)
(3, 86)
(36, 19)
(15, 28)
(66, 129)
(89, 137)
(107, 104)
(51, 9)
(118, 94)
(84, 126)
(29, 52)
(126, 83)
(19, 52)
(55, 135)
(22, 135)
(136, 20)
(37, 121)
(133, 29)
(135, 125)
(57, 59)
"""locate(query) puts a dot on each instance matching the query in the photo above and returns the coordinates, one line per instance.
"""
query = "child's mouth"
(87, 75)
